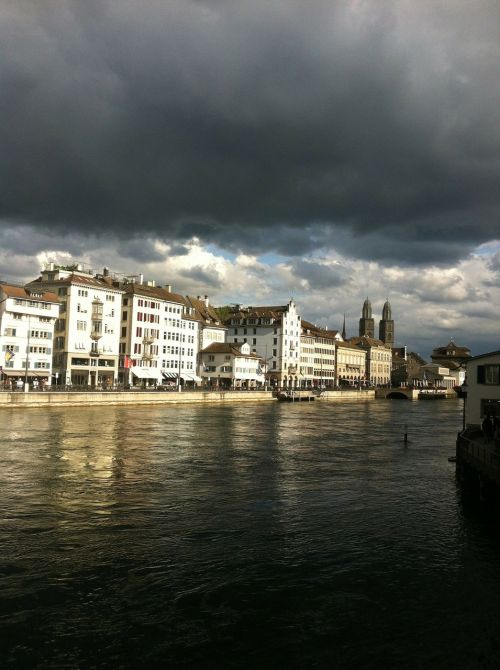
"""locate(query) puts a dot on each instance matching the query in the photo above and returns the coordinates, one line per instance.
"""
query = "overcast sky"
(255, 151)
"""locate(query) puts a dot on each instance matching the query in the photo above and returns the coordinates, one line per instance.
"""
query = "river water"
(243, 536)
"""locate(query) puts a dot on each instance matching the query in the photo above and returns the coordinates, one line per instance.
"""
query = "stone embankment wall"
(61, 399)
(355, 394)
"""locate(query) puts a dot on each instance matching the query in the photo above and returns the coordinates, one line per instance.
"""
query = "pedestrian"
(487, 428)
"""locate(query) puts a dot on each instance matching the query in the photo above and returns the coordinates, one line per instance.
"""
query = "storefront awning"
(169, 375)
(146, 373)
(22, 373)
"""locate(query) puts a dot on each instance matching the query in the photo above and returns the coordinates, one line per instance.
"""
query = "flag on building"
(127, 362)
(8, 356)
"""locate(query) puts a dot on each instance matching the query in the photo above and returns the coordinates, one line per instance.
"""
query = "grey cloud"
(318, 275)
(259, 126)
(202, 277)
(140, 249)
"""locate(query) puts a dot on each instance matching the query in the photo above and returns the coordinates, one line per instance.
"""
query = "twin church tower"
(385, 326)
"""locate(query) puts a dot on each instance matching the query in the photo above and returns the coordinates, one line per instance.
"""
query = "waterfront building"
(483, 388)
(454, 357)
(274, 334)
(350, 364)
(228, 365)
(434, 375)
(366, 322)
(87, 332)
(27, 319)
(386, 326)
(378, 359)
(319, 344)
(159, 336)
(405, 366)
(211, 326)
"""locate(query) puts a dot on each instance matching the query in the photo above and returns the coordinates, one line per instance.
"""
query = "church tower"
(366, 323)
(386, 326)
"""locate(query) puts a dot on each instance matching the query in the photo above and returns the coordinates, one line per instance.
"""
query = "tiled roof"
(227, 348)
(87, 281)
(269, 312)
(157, 292)
(365, 341)
(206, 314)
(13, 291)
(318, 332)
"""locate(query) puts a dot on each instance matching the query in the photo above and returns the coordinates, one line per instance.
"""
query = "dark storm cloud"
(140, 249)
(255, 125)
(318, 275)
(202, 276)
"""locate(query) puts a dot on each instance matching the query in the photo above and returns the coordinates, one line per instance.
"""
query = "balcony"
(95, 335)
(148, 339)
(95, 353)
(146, 356)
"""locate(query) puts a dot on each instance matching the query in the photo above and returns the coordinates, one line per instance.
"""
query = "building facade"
(350, 364)
(27, 320)
(231, 366)
(274, 335)
(87, 332)
(483, 388)
(378, 360)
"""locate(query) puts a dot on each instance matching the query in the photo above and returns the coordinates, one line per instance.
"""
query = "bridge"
(398, 393)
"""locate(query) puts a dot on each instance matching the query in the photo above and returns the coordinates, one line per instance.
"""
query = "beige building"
(318, 355)
(350, 364)
(378, 359)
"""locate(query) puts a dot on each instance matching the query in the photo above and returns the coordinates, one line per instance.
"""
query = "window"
(488, 374)
(211, 358)
(124, 331)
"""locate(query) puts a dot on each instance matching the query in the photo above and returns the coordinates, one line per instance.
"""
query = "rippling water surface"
(242, 536)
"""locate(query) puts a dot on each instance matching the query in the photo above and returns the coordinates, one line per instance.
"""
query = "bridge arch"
(397, 395)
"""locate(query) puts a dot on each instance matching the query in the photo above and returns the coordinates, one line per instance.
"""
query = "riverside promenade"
(21, 399)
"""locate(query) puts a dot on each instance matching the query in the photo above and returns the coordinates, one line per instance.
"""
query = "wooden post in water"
(406, 434)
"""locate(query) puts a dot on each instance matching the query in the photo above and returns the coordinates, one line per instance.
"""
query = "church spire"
(343, 329)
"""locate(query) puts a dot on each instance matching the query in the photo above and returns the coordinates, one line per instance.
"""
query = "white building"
(27, 318)
(226, 365)
(273, 334)
(87, 332)
(159, 337)
(483, 388)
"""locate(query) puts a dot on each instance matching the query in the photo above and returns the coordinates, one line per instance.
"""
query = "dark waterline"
(242, 536)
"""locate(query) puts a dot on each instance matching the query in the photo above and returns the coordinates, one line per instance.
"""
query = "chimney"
(168, 288)
(141, 278)
(206, 301)
(105, 272)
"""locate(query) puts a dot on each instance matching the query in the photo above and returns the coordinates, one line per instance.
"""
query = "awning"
(140, 372)
(146, 373)
(190, 377)
(169, 375)
(22, 373)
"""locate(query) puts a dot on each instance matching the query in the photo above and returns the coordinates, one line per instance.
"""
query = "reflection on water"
(242, 536)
